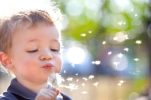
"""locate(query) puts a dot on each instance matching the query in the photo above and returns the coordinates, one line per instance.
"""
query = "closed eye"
(55, 50)
(32, 51)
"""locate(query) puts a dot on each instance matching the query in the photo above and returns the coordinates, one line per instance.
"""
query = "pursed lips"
(48, 66)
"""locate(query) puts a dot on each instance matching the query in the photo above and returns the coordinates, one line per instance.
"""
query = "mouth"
(48, 66)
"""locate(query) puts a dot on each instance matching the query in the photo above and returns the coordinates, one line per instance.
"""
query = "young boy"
(30, 49)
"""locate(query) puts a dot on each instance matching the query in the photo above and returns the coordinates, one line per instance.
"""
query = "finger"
(54, 89)
(54, 92)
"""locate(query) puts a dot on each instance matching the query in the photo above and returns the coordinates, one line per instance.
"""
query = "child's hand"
(47, 94)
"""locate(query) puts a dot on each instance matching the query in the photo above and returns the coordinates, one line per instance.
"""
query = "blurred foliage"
(94, 22)
(91, 22)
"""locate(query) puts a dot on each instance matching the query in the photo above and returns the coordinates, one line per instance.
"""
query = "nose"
(47, 55)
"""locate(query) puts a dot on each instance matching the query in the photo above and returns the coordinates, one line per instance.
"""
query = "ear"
(5, 60)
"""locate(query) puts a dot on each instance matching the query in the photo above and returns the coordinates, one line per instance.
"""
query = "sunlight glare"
(76, 55)
(9, 7)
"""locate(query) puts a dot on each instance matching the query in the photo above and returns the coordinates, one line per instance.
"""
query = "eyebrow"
(53, 40)
(33, 40)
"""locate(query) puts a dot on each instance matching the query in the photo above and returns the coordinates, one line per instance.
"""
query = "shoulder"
(7, 96)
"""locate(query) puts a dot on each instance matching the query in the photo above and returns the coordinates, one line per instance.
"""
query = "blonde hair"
(26, 19)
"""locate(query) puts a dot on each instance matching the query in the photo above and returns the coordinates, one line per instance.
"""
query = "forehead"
(38, 32)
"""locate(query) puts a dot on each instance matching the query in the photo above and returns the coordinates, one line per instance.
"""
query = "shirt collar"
(18, 89)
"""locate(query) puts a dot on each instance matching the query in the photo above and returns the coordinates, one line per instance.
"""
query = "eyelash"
(53, 50)
(32, 51)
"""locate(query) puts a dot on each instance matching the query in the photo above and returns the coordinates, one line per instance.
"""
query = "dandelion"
(126, 49)
(120, 55)
(91, 77)
(120, 83)
(138, 42)
(70, 79)
(96, 62)
(109, 53)
(84, 78)
(104, 42)
(96, 84)
(136, 59)
(84, 92)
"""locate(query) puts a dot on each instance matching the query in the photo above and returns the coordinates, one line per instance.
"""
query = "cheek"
(27, 61)
(58, 64)
(24, 62)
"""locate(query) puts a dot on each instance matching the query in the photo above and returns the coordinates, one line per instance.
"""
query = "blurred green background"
(106, 48)
(115, 35)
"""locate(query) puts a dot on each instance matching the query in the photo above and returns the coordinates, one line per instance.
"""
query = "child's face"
(35, 53)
